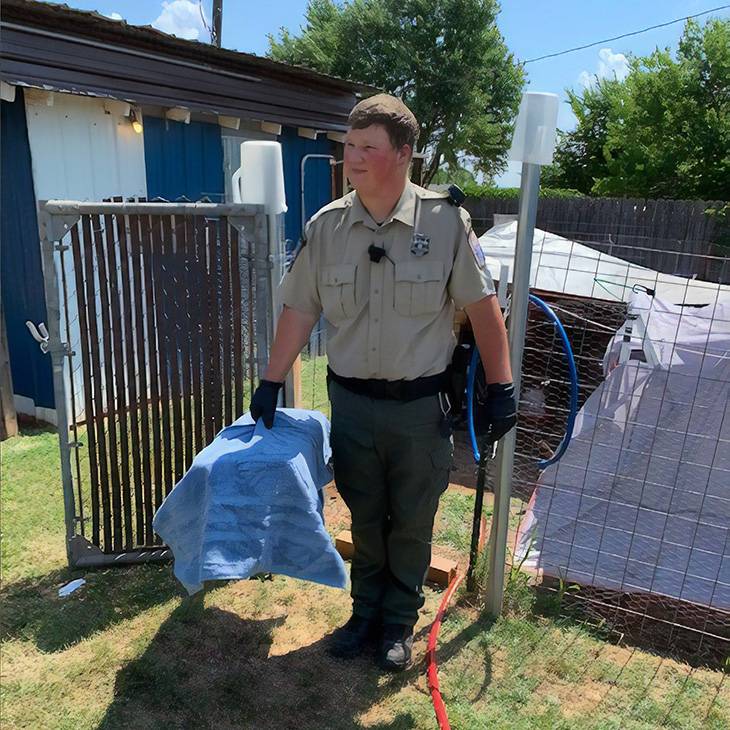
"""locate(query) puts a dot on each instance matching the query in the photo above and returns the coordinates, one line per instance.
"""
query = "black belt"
(404, 390)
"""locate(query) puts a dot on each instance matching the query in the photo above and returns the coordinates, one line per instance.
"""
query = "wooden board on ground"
(441, 570)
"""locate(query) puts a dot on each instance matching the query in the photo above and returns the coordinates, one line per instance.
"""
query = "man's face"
(371, 161)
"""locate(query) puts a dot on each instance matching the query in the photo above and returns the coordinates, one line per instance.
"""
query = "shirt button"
(373, 349)
(376, 320)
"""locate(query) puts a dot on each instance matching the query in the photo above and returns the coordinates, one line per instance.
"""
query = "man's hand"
(263, 402)
(498, 412)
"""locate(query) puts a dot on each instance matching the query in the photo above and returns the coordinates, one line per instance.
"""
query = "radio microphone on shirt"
(376, 253)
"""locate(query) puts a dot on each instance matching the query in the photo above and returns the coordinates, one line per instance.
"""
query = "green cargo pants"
(391, 461)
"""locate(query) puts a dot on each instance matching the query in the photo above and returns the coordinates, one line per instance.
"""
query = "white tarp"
(641, 499)
(568, 267)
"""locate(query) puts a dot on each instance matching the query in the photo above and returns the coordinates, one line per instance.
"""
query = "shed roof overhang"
(58, 48)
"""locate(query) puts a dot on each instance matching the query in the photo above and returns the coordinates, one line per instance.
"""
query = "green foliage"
(721, 214)
(445, 58)
(454, 176)
(488, 191)
(663, 132)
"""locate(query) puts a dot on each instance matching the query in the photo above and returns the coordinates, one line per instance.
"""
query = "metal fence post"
(59, 351)
(517, 325)
(263, 307)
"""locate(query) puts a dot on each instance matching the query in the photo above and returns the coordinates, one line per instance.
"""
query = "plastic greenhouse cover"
(568, 267)
(641, 499)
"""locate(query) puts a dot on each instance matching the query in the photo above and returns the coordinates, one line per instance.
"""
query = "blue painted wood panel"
(20, 264)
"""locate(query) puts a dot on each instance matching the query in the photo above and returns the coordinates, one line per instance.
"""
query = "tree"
(445, 58)
(460, 176)
(664, 131)
(580, 156)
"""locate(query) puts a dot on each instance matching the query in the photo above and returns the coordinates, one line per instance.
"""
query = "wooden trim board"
(441, 571)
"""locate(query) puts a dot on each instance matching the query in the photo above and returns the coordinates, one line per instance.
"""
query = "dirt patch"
(574, 700)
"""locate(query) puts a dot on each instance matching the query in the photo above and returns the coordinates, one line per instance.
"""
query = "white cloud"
(610, 65)
(113, 16)
(182, 18)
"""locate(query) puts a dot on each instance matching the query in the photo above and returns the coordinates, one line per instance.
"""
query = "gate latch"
(39, 334)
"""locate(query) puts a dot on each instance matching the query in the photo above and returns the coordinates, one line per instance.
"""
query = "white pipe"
(497, 554)
(301, 177)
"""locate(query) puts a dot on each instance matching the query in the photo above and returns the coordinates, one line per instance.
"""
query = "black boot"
(394, 653)
(353, 638)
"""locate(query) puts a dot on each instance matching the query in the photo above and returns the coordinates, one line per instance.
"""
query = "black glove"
(497, 413)
(263, 402)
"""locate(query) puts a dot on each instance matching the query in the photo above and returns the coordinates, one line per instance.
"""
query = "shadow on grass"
(32, 609)
(28, 426)
(207, 667)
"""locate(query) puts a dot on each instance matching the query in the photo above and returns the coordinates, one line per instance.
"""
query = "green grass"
(130, 650)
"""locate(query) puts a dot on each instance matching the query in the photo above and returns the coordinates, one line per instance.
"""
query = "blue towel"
(252, 502)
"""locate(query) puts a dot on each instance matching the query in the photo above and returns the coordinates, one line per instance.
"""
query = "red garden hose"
(432, 668)
(432, 671)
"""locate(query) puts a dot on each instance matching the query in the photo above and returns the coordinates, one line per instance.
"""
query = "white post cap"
(534, 137)
(260, 179)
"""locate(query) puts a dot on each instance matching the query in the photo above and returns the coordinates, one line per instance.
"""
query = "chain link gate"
(160, 317)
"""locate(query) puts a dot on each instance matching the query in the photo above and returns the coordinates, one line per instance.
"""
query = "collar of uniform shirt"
(404, 210)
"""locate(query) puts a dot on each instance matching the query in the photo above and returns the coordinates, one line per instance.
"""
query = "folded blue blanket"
(251, 503)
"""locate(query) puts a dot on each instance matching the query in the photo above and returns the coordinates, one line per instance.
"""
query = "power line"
(625, 35)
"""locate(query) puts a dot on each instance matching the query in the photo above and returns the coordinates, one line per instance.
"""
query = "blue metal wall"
(317, 183)
(183, 160)
(20, 264)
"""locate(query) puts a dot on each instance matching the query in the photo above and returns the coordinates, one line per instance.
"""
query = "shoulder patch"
(476, 248)
(302, 243)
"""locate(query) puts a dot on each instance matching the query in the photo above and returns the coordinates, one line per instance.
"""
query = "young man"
(387, 264)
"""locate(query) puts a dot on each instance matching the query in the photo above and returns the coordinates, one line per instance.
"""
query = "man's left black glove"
(499, 411)
(263, 402)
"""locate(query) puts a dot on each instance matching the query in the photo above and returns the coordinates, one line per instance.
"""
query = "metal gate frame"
(56, 219)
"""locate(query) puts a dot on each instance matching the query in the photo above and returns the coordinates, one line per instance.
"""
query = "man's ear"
(405, 153)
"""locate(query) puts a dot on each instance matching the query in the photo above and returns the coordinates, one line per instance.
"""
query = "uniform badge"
(476, 249)
(420, 244)
(302, 243)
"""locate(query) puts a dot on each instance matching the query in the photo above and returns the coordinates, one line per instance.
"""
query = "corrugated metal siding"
(183, 160)
(80, 152)
(317, 182)
(22, 277)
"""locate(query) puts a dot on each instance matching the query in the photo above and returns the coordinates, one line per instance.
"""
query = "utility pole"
(217, 22)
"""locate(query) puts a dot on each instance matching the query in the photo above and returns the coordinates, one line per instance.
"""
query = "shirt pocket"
(419, 287)
(337, 292)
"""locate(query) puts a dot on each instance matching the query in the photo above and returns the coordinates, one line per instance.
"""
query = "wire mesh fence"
(630, 528)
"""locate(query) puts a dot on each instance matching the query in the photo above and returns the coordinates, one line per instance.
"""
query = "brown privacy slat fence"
(154, 343)
(658, 234)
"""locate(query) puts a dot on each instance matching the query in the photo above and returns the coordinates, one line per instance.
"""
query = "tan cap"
(389, 111)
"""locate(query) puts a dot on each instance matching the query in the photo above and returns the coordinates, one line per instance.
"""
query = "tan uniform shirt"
(392, 319)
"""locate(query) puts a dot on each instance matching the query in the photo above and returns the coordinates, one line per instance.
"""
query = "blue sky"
(531, 28)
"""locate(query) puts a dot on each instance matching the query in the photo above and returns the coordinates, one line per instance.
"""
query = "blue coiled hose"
(568, 351)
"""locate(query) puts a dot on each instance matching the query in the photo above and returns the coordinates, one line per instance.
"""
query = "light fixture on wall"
(136, 119)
